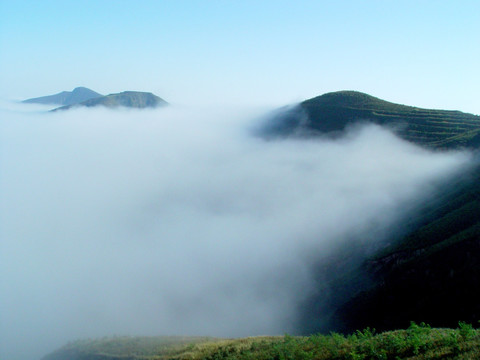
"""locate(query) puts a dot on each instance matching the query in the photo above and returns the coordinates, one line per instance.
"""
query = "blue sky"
(423, 53)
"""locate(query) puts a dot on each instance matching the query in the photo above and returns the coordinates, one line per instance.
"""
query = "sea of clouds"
(180, 221)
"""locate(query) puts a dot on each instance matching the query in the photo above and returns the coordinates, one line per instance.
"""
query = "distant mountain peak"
(79, 94)
(81, 89)
(130, 99)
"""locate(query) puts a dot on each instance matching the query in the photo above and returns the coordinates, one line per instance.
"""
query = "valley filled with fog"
(181, 220)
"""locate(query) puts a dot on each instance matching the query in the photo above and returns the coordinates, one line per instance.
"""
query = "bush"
(466, 331)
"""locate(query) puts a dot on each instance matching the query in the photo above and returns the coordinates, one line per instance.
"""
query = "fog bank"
(178, 221)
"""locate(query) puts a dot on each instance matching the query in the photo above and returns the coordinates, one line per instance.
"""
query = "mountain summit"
(130, 99)
(334, 112)
(78, 95)
(82, 96)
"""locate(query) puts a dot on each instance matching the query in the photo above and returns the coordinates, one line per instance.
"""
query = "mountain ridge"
(77, 95)
(84, 97)
(130, 99)
(332, 113)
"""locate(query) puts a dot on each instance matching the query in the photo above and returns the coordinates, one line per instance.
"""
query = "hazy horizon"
(244, 53)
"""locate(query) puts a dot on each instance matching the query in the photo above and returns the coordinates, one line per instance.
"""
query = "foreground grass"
(416, 342)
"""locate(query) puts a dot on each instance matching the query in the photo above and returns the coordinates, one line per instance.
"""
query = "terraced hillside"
(333, 112)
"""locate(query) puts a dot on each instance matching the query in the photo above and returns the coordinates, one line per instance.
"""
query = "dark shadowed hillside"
(429, 268)
(427, 271)
(78, 95)
(432, 274)
(333, 112)
(130, 99)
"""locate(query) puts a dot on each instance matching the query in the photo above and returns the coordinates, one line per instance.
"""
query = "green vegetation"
(416, 342)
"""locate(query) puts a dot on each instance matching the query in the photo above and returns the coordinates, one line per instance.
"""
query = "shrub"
(466, 331)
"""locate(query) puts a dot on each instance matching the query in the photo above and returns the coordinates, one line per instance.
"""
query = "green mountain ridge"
(78, 95)
(334, 112)
(129, 99)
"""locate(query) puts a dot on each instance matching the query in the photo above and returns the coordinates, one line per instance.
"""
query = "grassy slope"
(417, 342)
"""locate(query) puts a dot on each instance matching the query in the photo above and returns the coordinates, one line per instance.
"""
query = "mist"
(180, 221)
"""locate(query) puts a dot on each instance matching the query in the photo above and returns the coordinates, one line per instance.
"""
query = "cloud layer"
(178, 221)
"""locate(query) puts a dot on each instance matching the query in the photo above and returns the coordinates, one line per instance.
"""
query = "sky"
(420, 53)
